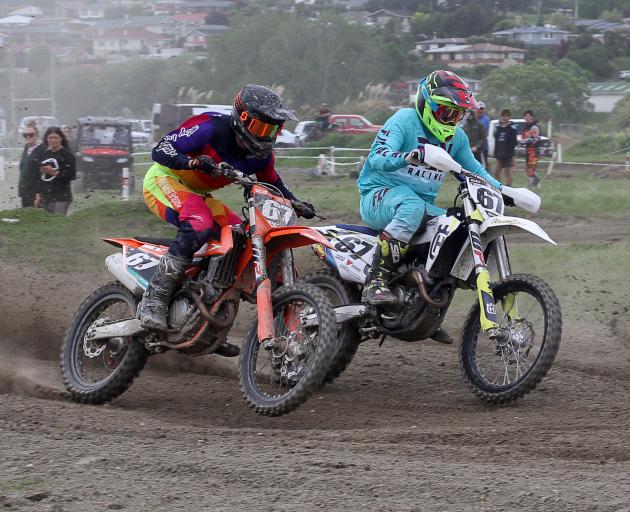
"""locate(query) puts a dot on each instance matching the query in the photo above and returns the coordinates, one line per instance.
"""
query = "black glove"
(507, 200)
(203, 163)
(304, 209)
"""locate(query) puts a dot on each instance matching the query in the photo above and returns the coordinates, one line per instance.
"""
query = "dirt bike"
(512, 333)
(283, 360)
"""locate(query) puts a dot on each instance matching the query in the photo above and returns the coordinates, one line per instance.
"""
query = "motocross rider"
(177, 186)
(397, 191)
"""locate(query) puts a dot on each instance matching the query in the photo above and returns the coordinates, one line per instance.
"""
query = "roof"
(600, 88)
(190, 16)
(531, 30)
(439, 40)
(16, 19)
(481, 47)
(599, 25)
(386, 12)
(124, 33)
(30, 10)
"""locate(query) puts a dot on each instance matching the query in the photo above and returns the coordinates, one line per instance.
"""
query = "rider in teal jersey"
(397, 190)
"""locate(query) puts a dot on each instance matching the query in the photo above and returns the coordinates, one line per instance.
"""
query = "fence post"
(332, 161)
(627, 161)
(125, 183)
(2, 175)
(559, 150)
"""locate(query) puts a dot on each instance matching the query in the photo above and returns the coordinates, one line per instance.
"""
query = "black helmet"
(258, 116)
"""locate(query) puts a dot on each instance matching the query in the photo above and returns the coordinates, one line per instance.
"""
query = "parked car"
(547, 146)
(303, 130)
(353, 123)
(625, 74)
(287, 139)
(104, 149)
(139, 135)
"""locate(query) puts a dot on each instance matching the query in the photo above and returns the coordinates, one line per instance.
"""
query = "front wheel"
(97, 371)
(502, 370)
(280, 374)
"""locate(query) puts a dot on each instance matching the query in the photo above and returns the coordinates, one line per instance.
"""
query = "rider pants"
(198, 216)
(397, 210)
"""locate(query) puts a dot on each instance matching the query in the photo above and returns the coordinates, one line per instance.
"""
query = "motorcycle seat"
(359, 229)
(154, 240)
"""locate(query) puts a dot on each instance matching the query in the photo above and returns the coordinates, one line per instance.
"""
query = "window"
(356, 123)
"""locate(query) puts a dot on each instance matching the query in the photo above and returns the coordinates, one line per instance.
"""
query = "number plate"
(275, 212)
(485, 196)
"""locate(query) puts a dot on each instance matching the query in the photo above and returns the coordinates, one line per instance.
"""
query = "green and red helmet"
(442, 100)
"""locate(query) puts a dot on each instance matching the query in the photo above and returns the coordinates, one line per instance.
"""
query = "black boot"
(153, 309)
(388, 253)
(441, 336)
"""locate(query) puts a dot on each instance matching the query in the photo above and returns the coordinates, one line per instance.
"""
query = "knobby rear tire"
(349, 338)
(318, 368)
(549, 345)
(127, 370)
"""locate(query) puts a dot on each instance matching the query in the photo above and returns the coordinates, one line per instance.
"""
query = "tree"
(557, 91)
(594, 58)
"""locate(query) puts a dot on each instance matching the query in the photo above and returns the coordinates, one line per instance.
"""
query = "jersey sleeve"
(463, 155)
(385, 153)
(269, 175)
(190, 138)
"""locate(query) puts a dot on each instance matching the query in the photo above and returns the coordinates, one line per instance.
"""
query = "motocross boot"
(441, 336)
(388, 254)
(153, 309)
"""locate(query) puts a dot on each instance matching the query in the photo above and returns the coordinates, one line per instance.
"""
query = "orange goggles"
(260, 129)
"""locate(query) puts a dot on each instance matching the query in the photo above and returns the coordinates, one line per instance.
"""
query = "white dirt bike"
(511, 334)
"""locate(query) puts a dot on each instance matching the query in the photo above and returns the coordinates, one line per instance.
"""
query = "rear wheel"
(503, 370)
(280, 374)
(349, 339)
(98, 371)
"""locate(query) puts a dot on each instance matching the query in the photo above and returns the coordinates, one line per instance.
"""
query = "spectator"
(531, 137)
(57, 169)
(323, 118)
(121, 136)
(29, 173)
(476, 136)
(505, 140)
(72, 142)
(484, 119)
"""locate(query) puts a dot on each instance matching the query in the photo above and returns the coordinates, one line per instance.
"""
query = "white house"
(466, 56)
(549, 35)
(604, 95)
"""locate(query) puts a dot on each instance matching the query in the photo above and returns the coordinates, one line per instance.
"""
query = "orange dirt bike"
(286, 352)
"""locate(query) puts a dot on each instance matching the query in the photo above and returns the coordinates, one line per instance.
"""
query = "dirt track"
(398, 431)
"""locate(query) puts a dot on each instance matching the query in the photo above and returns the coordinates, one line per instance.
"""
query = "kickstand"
(380, 344)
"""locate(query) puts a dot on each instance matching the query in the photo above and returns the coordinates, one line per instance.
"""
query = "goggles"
(260, 129)
(449, 115)
(28, 135)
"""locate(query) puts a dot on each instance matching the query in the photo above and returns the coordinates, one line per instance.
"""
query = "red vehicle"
(353, 123)
(287, 351)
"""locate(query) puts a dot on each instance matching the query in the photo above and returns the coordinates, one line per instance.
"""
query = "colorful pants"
(198, 216)
(397, 210)
(531, 161)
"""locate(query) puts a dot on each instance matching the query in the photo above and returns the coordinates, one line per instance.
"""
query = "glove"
(203, 163)
(507, 200)
(304, 209)
(415, 157)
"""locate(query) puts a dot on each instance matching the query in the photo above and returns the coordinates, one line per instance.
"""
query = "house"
(465, 56)
(604, 95)
(382, 17)
(599, 26)
(548, 35)
(437, 42)
(195, 40)
(15, 21)
(78, 9)
(30, 11)
(126, 41)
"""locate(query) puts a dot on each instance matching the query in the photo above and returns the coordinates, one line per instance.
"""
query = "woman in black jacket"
(57, 170)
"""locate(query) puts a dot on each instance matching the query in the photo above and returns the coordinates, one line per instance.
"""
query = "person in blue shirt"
(397, 190)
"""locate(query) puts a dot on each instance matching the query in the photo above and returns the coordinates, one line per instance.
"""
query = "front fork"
(487, 315)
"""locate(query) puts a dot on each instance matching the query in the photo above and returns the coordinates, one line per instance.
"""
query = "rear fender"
(289, 237)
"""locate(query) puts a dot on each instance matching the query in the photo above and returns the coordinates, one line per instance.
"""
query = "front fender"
(495, 227)
(491, 229)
